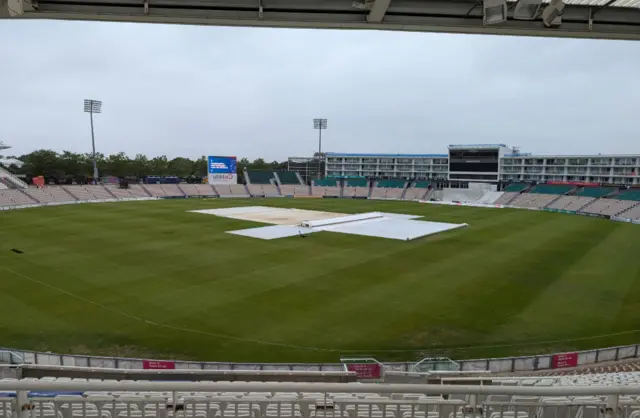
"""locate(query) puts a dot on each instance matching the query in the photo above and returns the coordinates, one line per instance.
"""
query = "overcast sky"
(191, 91)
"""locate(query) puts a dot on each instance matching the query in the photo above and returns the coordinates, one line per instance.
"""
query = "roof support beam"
(378, 10)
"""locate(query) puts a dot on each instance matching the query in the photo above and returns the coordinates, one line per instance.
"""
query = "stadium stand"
(516, 187)
(231, 190)
(327, 187)
(506, 198)
(533, 200)
(259, 177)
(288, 177)
(490, 198)
(388, 189)
(50, 194)
(356, 188)
(263, 190)
(462, 195)
(197, 189)
(89, 192)
(609, 207)
(290, 190)
(161, 190)
(419, 191)
(121, 193)
(12, 197)
(571, 203)
(613, 395)
(552, 189)
(632, 213)
(629, 195)
(595, 191)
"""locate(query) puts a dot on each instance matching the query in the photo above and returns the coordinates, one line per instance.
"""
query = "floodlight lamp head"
(320, 124)
(92, 106)
(495, 11)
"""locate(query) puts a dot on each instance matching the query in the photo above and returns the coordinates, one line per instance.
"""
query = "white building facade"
(410, 166)
(608, 169)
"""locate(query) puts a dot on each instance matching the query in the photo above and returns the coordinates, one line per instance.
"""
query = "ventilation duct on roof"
(495, 11)
(552, 14)
(527, 9)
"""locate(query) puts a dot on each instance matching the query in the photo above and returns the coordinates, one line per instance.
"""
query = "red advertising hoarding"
(157, 364)
(559, 361)
(366, 370)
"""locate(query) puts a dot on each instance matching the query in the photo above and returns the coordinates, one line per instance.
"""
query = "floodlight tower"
(91, 107)
(320, 125)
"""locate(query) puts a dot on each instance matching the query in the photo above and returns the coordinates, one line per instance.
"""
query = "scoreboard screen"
(471, 160)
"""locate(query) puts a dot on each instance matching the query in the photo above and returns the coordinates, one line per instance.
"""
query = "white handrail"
(23, 385)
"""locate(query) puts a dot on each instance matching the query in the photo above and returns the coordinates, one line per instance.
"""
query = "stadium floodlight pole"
(91, 107)
(319, 124)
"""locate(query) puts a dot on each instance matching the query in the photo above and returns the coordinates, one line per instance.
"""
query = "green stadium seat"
(422, 184)
(260, 177)
(326, 183)
(595, 191)
(391, 184)
(288, 177)
(357, 183)
(552, 189)
(516, 187)
(633, 194)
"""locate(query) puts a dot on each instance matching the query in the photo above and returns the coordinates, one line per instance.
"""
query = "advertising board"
(222, 170)
(564, 360)
(158, 364)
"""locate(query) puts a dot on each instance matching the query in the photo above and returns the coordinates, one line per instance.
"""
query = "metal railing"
(494, 365)
(18, 183)
(35, 399)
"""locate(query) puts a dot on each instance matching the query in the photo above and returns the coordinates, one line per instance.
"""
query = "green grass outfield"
(149, 279)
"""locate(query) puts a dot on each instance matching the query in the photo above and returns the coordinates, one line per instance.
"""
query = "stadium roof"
(608, 19)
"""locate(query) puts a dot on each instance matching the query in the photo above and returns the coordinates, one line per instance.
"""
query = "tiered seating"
(89, 192)
(50, 194)
(633, 194)
(533, 200)
(418, 190)
(610, 207)
(325, 187)
(260, 177)
(571, 202)
(288, 177)
(505, 198)
(633, 213)
(162, 190)
(552, 189)
(595, 191)
(12, 197)
(231, 190)
(121, 193)
(356, 188)
(138, 191)
(290, 190)
(388, 189)
(516, 187)
(263, 190)
(197, 189)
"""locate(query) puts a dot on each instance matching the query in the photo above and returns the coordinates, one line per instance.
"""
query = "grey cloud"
(181, 90)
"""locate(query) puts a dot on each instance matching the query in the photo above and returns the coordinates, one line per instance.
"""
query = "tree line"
(65, 166)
